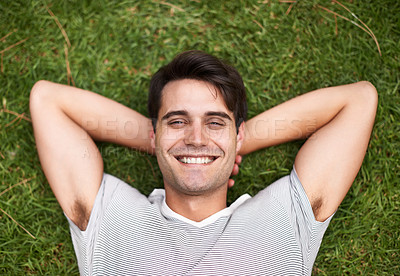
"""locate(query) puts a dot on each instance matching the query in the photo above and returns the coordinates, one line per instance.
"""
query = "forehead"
(194, 96)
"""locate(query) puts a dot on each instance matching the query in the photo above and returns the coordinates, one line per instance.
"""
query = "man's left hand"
(235, 170)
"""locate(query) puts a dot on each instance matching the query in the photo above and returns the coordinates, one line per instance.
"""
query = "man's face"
(196, 140)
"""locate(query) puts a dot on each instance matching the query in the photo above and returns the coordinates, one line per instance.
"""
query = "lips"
(196, 160)
(189, 155)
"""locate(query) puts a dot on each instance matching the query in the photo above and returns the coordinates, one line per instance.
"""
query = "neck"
(196, 207)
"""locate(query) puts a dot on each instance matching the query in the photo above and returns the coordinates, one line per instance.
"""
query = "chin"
(197, 188)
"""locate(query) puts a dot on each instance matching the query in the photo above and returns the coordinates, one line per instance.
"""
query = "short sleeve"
(309, 232)
(84, 241)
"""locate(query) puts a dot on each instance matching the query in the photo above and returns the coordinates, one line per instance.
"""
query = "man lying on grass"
(199, 131)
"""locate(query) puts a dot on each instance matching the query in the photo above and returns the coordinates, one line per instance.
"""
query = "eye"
(177, 123)
(216, 124)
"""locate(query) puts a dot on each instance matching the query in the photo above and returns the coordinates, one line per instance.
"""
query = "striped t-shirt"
(272, 233)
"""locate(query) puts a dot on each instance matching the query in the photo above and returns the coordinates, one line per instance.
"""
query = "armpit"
(316, 206)
(80, 215)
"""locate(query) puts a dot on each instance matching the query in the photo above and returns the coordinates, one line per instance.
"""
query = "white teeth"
(195, 160)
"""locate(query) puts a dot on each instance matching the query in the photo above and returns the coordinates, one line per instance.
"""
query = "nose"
(196, 135)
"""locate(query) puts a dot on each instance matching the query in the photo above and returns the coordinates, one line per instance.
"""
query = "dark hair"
(198, 65)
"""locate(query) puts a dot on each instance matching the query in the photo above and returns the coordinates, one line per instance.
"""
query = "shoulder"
(112, 191)
(277, 191)
(286, 196)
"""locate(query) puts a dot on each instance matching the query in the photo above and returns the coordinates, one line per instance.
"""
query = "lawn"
(282, 49)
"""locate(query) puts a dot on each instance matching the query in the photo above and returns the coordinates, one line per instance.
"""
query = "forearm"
(101, 118)
(299, 117)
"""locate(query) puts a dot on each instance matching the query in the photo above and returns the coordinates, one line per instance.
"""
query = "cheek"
(168, 138)
(226, 144)
(221, 135)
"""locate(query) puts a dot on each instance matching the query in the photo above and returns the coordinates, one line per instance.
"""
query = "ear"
(153, 139)
(240, 137)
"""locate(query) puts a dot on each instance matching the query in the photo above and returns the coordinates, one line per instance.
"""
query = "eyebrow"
(185, 113)
(175, 113)
(219, 114)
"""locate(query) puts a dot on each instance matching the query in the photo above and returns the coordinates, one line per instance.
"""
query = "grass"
(116, 46)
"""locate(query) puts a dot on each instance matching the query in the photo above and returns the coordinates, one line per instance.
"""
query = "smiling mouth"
(196, 160)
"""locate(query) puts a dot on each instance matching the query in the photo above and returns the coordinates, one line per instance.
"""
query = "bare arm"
(65, 120)
(338, 122)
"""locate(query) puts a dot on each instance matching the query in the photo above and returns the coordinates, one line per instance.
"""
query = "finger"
(238, 159)
(231, 182)
(235, 169)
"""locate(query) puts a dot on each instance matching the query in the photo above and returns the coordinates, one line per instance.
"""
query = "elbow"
(369, 94)
(367, 97)
(38, 89)
(38, 94)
